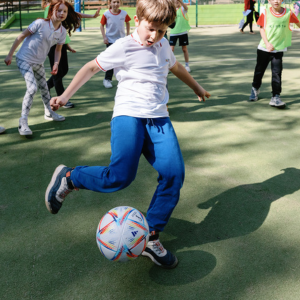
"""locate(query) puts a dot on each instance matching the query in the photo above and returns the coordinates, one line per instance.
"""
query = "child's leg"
(173, 41)
(163, 153)
(28, 74)
(263, 59)
(276, 67)
(109, 73)
(127, 138)
(185, 53)
(40, 76)
(50, 81)
(63, 68)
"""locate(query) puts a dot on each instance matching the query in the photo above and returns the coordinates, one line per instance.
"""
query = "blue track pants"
(131, 137)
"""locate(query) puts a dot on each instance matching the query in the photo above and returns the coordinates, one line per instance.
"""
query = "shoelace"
(24, 125)
(158, 247)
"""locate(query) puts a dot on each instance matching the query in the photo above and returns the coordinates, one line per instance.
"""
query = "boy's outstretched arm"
(96, 15)
(82, 76)
(180, 72)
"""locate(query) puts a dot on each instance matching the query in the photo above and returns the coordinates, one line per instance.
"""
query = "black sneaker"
(69, 105)
(158, 254)
(58, 189)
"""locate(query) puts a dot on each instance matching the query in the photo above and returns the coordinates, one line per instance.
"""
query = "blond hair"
(163, 11)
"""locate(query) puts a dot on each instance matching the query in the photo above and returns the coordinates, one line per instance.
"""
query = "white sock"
(187, 64)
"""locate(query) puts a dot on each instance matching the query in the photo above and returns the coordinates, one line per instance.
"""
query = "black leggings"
(249, 21)
(63, 68)
(109, 73)
(263, 59)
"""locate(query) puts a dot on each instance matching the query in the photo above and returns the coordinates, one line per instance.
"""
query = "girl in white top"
(113, 19)
(37, 39)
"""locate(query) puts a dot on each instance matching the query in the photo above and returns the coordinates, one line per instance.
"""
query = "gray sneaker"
(23, 127)
(69, 105)
(276, 102)
(2, 129)
(254, 94)
(53, 116)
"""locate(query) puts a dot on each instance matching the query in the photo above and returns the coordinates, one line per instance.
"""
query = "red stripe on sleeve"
(99, 65)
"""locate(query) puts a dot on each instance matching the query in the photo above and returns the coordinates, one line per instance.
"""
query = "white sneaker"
(276, 102)
(2, 129)
(107, 83)
(188, 69)
(53, 116)
(254, 94)
(23, 127)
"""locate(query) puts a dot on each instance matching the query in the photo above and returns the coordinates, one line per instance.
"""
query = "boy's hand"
(105, 40)
(97, 13)
(57, 102)
(8, 60)
(202, 93)
(270, 47)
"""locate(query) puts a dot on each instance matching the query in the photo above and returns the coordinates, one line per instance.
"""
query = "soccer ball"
(122, 234)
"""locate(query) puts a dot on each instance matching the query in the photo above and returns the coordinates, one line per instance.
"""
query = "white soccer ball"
(122, 234)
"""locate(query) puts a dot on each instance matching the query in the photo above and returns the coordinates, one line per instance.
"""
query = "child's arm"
(82, 76)
(269, 46)
(184, 5)
(180, 72)
(96, 15)
(102, 29)
(15, 45)
(128, 28)
(70, 48)
(57, 55)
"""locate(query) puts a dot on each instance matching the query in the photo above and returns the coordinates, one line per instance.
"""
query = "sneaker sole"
(252, 100)
(278, 106)
(50, 186)
(51, 119)
(144, 253)
(24, 133)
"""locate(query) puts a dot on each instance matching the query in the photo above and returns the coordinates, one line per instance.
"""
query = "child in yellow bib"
(276, 34)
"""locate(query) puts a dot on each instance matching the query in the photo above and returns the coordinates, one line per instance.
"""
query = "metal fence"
(201, 12)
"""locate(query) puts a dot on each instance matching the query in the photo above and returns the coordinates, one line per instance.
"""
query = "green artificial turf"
(235, 229)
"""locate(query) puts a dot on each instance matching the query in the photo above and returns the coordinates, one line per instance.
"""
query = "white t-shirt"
(36, 46)
(114, 23)
(142, 74)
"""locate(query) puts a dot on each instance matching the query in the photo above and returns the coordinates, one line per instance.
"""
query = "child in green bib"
(180, 31)
(276, 34)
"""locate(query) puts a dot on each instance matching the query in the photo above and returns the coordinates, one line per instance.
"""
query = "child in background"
(113, 19)
(180, 31)
(38, 38)
(249, 5)
(140, 123)
(276, 36)
(56, 79)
